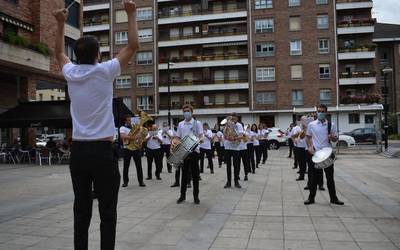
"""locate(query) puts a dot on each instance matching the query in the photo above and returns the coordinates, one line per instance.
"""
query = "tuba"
(229, 130)
(138, 133)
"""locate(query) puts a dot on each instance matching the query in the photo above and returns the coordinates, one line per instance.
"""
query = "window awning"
(12, 20)
(50, 114)
(224, 44)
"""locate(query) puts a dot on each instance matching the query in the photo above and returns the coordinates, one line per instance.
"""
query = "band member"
(244, 156)
(205, 149)
(219, 145)
(167, 135)
(319, 135)
(250, 148)
(153, 152)
(190, 168)
(93, 158)
(256, 143)
(263, 137)
(232, 150)
(290, 140)
(131, 151)
(300, 145)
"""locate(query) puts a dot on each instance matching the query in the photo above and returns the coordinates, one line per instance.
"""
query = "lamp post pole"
(385, 93)
(169, 94)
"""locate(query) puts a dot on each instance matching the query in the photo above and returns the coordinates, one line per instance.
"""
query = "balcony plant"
(14, 39)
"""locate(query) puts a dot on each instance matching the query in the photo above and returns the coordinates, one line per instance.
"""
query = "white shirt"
(231, 145)
(90, 88)
(124, 130)
(153, 143)
(300, 143)
(254, 135)
(263, 133)
(319, 133)
(207, 142)
(192, 126)
(166, 136)
(220, 137)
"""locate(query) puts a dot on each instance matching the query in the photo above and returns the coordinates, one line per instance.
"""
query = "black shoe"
(212, 171)
(180, 200)
(220, 166)
(125, 185)
(200, 178)
(309, 202)
(189, 185)
(254, 172)
(196, 201)
(175, 185)
(245, 178)
(298, 172)
(201, 171)
(306, 188)
(239, 178)
(149, 178)
(321, 188)
(142, 184)
(94, 195)
(169, 171)
(300, 179)
(337, 202)
(237, 185)
(294, 167)
(227, 185)
(208, 166)
(159, 178)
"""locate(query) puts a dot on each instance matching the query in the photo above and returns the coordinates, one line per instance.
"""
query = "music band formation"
(94, 155)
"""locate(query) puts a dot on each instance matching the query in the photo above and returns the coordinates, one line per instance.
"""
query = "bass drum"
(324, 158)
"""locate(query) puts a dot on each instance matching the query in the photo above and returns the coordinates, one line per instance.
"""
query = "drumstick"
(70, 5)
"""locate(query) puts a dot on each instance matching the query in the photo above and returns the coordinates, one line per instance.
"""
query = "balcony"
(356, 26)
(202, 109)
(205, 61)
(361, 99)
(96, 23)
(357, 78)
(91, 5)
(353, 4)
(359, 52)
(180, 16)
(201, 85)
(217, 37)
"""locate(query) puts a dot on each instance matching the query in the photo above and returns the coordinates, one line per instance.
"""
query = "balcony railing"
(180, 13)
(205, 106)
(198, 35)
(96, 21)
(187, 82)
(93, 2)
(203, 58)
(356, 22)
(361, 99)
(356, 74)
(360, 48)
(352, 1)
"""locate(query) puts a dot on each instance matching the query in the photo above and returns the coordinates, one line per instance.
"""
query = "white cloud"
(386, 11)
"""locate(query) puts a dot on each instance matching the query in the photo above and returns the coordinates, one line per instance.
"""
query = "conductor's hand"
(129, 6)
(61, 15)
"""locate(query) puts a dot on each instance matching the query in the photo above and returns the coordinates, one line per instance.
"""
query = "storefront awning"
(12, 20)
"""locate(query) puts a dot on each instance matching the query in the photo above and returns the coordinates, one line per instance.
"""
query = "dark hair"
(205, 124)
(322, 106)
(187, 106)
(86, 49)
(252, 126)
(127, 116)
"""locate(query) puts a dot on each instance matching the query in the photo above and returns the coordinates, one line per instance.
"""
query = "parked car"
(363, 135)
(345, 141)
(276, 138)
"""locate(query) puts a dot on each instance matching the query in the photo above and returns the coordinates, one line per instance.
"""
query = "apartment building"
(267, 60)
(27, 31)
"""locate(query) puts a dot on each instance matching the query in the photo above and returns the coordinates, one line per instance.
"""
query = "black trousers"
(166, 150)
(94, 163)
(232, 155)
(154, 155)
(244, 156)
(257, 150)
(208, 154)
(317, 175)
(264, 150)
(291, 146)
(320, 178)
(250, 153)
(220, 152)
(137, 158)
(190, 170)
(300, 156)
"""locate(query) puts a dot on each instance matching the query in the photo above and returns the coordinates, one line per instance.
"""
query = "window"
(143, 14)
(265, 49)
(325, 96)
(69, 49)
(265, 25)
(323, 46)
(297, 97)
(121, 37)
(128, 102)
(145, 102)
(369, 119)
(294, 23)
(322, 22)
(320, 2)
(266, 97)
(74, 12)
(263, 4)
(293, 3)
(144, 80)
(121, 16)
(219, 98)
(40, 97)
(144, 58)
(324, 71)
(123, 82)
(296, 72)
(265, 74)
(233, 98)
(295, 48)
(145, 35)
(354, 118)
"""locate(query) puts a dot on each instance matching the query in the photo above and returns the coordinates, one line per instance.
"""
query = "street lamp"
(387, 70)
(169, 91)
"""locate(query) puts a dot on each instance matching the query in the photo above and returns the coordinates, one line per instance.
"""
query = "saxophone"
(138, 133)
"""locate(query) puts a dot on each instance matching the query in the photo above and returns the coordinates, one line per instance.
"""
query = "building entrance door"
(269, 120)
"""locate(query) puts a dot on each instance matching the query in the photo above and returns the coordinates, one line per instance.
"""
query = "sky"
(387, 11)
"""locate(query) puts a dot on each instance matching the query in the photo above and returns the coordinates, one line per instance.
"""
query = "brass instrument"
(138, 133)
(229, 130)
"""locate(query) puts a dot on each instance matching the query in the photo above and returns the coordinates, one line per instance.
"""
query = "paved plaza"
(267, 213)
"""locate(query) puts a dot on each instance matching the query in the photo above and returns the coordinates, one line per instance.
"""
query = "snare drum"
(324, 158)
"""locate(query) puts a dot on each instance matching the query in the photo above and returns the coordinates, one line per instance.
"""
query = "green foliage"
(12, 38)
